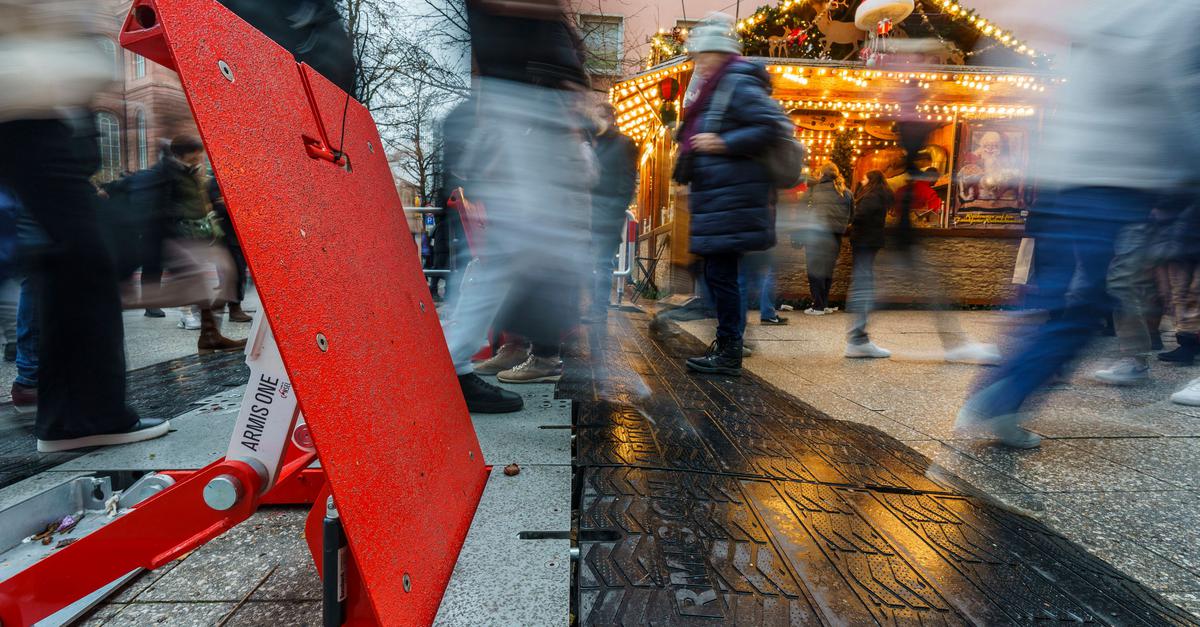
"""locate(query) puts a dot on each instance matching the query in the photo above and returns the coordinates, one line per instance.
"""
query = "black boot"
(724, 357)
(485, 398)
(1189, 347)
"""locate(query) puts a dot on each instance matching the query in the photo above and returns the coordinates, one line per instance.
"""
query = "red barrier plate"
(342, 286)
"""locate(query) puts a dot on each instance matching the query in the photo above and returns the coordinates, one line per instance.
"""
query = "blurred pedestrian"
(50, 72)
(1178, 248)
(826, 209)
(197, 243)
(731, 121)
(1131, 283)
(1123, 141)
(871, 206)
(526, 161)
(616, 159)
(233, 245)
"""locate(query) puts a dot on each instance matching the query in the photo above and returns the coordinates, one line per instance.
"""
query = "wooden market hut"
(987, 122)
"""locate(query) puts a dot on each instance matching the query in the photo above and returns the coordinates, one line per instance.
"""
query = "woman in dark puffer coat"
(731, 122)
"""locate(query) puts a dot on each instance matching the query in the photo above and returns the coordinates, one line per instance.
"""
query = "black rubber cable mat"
(722, 501)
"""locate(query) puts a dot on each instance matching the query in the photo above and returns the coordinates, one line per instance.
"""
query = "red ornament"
(884, 27)
(797, 37)
(668, 89)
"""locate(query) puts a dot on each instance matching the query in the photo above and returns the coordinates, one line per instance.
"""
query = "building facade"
(144, 107)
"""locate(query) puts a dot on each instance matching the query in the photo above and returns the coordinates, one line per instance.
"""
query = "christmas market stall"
(983, 90)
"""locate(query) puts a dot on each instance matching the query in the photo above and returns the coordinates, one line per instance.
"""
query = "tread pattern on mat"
(733, 503)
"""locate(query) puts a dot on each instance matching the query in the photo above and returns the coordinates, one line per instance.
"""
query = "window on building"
(143, 149)
(603, 36)
(139, 66)
(114, 56)
(109, 129)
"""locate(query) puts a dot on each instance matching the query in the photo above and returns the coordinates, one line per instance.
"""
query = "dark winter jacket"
(526, 50)
(616, 156)
(312, 30)
(731, 197)
(823, 208)
(870, 217)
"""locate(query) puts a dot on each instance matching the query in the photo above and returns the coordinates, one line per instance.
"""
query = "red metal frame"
(341, 284)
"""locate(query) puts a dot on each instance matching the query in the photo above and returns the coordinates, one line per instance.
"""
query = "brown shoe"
(211, 340)
(509, 356)
(237, 315)
(24, 398)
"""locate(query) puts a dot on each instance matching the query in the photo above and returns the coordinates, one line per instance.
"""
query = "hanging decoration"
(879, 17)
(829, 29)
(667, 44)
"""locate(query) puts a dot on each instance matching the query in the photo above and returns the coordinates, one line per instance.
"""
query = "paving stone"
(174, 614)
(1058, 467)
(1174, 460)
(1112, 544)
(290, 613)
(987, 480)
(229, 566)
(1189, 601)
(523, 437)
(501, 578)
(1167, 523)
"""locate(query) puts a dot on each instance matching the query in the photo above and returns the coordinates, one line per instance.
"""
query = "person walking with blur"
(524, 157)
(616, 159)
(732, 121)
(194, 244)
(50, 151)
(1178, 248)
(872, 204)
(825, 209)
(234, 247)
(1123, 141)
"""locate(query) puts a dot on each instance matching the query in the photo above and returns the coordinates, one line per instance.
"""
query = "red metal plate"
(332, 257)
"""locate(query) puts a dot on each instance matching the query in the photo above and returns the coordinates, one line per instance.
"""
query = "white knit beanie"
(714, 33)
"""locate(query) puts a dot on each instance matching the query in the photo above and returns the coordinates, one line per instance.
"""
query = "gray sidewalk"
(1118, 472)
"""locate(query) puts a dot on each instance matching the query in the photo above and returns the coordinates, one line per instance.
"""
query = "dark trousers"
(81, 374)
(721, 278)
(239, 264)
(821, 255)
(1076, 236)
(604, 249)
(152, 257)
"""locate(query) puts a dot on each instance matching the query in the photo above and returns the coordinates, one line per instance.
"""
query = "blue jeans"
(27, 336)
(1075, 235)
(757, 272)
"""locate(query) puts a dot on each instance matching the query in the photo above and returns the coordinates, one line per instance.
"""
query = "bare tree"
(410, 71)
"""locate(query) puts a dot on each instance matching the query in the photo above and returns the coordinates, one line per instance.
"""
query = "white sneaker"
(1124, 372)
(970, 423)
(974, 353)
(814, 312)
(188, 319)
(830, 310)
(786, 308)
(868, 351)
(1189, 395)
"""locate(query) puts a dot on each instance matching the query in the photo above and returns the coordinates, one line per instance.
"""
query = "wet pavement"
(1117, 473)
(708, 499)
